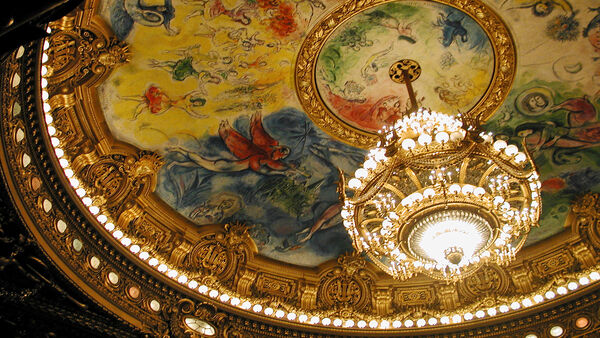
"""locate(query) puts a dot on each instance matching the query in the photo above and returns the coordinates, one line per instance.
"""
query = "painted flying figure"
(184, 68)
(375, 62)
(580, 111)
(581, 131)
(305, 9)
(330, 216)
(262, 153)
(125, 13)
(213, 8)
(457, 30)
(212, 58)
(156, 102)
(451, 30)
(403, 29)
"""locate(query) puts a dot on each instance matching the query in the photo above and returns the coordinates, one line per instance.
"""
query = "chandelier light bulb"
(468, 189)
(361, 173)
(428, 193)
(520, 158)
(424, 139)
(370, 164)
(499, 145)
(408, 144)
(354, 183)
(442, 137)
(454, 189)
(456, 136)
(511, 150)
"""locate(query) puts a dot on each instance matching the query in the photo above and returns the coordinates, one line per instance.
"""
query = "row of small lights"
(246, 304)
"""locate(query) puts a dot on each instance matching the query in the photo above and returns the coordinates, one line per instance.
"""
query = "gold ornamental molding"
(504, 67)
(222, 260)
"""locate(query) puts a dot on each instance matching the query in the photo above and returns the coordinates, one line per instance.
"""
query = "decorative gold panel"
(556, 262)
(274, 285)
(419, 296)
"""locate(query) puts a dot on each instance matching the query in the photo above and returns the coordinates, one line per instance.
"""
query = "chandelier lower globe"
(448, 236)
(438, 196)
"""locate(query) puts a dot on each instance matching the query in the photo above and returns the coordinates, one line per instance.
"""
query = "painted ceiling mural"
(352, 69)
(554, 101)
(210, 86)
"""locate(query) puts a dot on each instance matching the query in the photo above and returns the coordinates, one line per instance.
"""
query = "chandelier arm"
(395, 190)
(367, 195)
(341, 187)
(509, 168)
(444, 157)
(528, 155)
(413, 177)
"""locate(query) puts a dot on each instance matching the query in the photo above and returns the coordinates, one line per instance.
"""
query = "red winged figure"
(261, 153)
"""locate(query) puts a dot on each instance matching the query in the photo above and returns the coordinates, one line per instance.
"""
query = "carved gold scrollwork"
(108, 177)
(585, 218)
(489, 280)
(157, 240)
(63, 55)
(221, 254)
(585, 255)
(245, 281)
(213, 256)
(346, 286)
(308, 298)
(272, 285)
(448, 295)
(382, 301)
(81, 56)
(522, 279)
(118, 178)
(67, 125)
(414, 296)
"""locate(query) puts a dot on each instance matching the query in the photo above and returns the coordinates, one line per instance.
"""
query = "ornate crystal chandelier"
(439, 196)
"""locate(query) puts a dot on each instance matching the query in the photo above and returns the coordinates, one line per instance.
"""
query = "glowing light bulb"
(408, 144)
(361, 173)
(424, 139)
(511, 150)
(354, 183)
(442, 137)
(499, 145)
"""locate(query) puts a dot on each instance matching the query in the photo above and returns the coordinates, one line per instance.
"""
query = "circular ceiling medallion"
(466, 57)
(412, 68)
